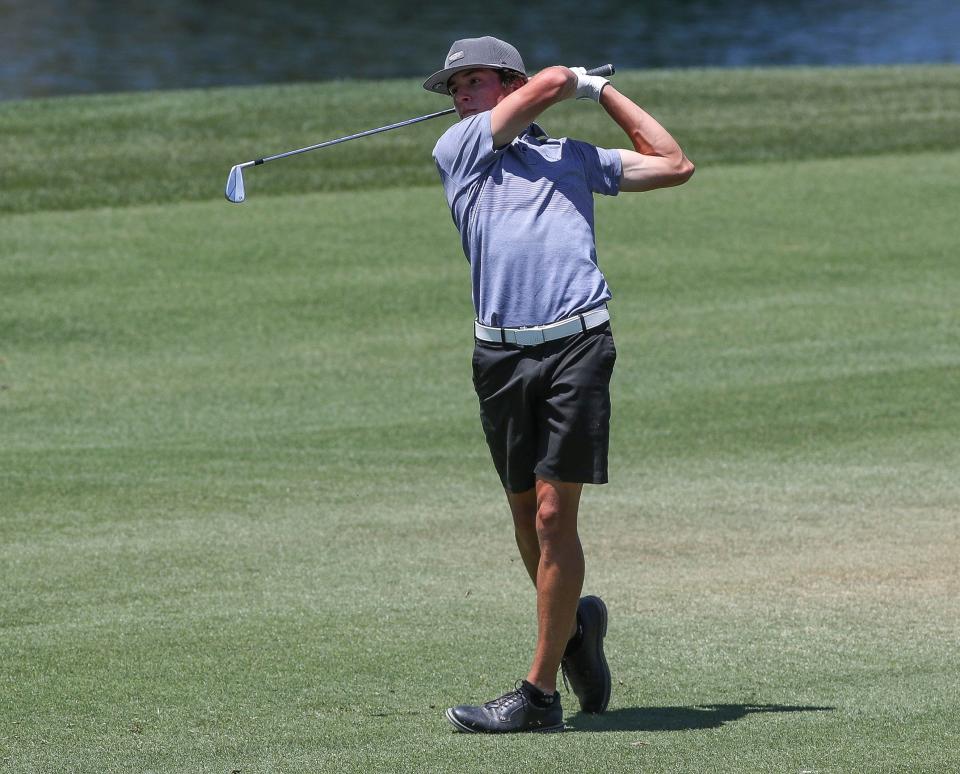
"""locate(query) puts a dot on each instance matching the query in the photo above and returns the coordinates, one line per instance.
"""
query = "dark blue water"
(50, 47)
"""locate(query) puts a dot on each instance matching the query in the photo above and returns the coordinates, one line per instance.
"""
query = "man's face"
(475, 91)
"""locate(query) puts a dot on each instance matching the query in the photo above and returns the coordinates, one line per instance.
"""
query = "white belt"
(538, 334)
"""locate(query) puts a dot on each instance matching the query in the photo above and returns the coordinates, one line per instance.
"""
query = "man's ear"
(517, 83)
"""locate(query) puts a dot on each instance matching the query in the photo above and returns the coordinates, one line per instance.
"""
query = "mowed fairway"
(248, 520)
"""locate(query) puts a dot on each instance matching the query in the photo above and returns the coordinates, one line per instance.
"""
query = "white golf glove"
(588, 86)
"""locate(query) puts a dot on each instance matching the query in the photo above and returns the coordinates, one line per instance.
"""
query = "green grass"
(247, 518)
(119, 150)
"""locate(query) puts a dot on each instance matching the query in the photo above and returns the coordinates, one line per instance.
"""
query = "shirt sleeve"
(602, 167)
(464, 153)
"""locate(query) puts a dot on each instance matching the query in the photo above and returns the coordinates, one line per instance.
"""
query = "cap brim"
(438, 81)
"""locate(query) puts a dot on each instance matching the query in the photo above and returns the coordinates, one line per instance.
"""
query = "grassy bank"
(118, 150)
(248, 522)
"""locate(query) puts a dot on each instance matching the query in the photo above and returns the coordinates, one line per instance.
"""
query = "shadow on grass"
(676, 718)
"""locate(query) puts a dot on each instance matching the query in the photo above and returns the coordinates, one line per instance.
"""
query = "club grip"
(603, 70)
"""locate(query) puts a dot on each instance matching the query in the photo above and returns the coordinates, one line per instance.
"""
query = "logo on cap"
(454, 57)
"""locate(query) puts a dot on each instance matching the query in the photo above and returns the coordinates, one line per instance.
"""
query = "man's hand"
(588, 86)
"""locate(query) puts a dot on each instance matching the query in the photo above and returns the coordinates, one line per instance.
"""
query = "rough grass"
(247, 519)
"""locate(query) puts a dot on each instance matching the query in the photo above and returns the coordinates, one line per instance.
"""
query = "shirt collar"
(534, 132)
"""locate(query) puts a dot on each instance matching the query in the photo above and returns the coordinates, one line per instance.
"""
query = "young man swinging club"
(544, 352)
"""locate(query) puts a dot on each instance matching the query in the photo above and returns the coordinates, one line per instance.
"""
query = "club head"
(234, 190)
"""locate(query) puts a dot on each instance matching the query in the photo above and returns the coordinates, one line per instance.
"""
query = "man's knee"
(523, 507)
(555, 523)
(557, 506)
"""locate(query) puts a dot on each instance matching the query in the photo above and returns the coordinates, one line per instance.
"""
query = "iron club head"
(234, 190)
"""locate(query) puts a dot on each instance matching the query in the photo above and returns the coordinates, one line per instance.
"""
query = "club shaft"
(355, 136)
(603, 70)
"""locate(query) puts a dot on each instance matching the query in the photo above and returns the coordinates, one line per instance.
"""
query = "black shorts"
(546, 409)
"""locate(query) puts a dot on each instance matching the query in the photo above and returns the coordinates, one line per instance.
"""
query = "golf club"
(235, 192)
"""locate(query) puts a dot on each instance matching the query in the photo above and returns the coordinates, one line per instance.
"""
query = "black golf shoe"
(511, 713)
(584, 665)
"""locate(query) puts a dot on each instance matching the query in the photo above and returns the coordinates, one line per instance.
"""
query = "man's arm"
(657, 161)
(517, 110)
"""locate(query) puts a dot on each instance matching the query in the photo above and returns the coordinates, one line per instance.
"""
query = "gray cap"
(473, 53)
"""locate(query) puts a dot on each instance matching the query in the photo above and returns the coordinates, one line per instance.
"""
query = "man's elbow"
(556, 83)
(684, 171)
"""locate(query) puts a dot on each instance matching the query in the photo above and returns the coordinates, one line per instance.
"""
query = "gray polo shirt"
(525, 216)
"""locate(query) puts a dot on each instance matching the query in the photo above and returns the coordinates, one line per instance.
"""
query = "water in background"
(50, 47)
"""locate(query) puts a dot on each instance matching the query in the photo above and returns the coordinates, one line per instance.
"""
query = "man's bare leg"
(523, 506)
(555, 564)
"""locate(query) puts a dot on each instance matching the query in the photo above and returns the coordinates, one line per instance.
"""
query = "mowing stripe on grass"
(248, 520)
(126, 149)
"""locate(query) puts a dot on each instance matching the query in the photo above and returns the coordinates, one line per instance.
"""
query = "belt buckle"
(528, 338)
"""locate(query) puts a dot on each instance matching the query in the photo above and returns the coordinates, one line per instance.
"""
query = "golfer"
(544, 352)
